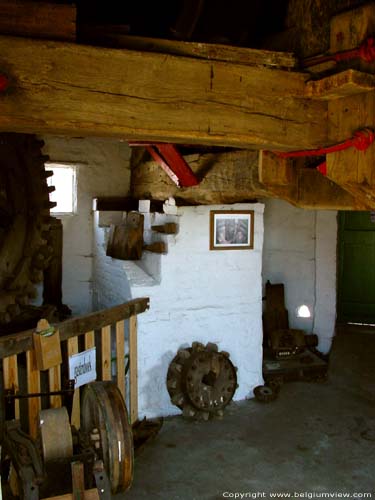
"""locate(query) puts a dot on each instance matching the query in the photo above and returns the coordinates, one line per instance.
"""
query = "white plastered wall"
(195, 295)
(300, 251)
(102, 170)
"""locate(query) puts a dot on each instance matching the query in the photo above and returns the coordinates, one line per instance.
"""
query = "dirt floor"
(316, 438)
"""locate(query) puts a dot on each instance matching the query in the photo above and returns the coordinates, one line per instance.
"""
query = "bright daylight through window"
(64, 180)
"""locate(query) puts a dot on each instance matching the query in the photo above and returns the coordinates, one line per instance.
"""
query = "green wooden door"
(356, 273)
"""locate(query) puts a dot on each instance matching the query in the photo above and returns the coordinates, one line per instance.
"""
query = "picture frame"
(231, 229)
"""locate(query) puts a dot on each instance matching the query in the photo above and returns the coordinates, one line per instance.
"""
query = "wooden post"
(33, 385)
(89, 340)
(10, 369)
(52, 285)
(54, 378)
(133, 373)
(106, 353)
(120, 354)
(76, 418)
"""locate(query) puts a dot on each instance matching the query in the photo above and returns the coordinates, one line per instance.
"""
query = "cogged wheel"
(24, 221)
(201, 381)
(265, 393)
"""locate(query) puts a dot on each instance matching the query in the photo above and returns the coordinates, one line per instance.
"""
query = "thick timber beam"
(74, 89)
(239, 176)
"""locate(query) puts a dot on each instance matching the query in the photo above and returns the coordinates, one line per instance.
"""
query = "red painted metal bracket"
(171, 161)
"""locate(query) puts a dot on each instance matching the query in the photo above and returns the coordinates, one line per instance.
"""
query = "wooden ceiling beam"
(68, 89)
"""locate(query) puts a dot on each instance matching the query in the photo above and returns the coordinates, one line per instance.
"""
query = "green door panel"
(356, 273)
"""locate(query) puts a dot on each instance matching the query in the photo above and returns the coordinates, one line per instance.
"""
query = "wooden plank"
(92, 494)
(76, 417)
(78, 480)
(120, 357)
(54, 379)
(10, 373)
(33, 385)
(133, 369)
(228, 177)
(155, 97)
(21, 342)
(38, 19)
(214, 52)
(89, 339)
(106, 352)
(342, 84)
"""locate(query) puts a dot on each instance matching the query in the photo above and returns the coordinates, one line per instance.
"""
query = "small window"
(65, 194)
(303, 311)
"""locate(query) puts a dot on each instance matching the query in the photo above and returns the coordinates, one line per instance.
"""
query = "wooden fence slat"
(133, 369)
(120, 355)
(106, 352)
(33, 385)
(54, 379)
(89, 339)
(76, 417)
(10, 370)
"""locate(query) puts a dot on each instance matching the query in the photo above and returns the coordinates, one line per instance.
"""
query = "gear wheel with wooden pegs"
(24, 221)
(201, 381)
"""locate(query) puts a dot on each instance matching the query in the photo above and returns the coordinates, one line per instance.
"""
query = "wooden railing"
(103, 329)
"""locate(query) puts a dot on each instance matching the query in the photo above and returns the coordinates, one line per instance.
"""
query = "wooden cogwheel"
(24, 221)
(201, 381)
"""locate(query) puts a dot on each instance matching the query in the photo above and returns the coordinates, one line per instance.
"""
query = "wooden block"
(278, 175)
(349, 29)
(167, 228)
(346, 83)
(38, 19)
(133, 369)
(156, 247)
(126, 240)
(47, 345)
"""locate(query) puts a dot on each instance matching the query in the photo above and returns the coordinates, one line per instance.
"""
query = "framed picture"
(231, 229)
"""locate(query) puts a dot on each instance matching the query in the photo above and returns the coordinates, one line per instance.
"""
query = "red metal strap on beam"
(366, 52)
(171, 161)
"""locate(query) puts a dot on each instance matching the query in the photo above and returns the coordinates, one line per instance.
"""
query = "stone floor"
(315, 438)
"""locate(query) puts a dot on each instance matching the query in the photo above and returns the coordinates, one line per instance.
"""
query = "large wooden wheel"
(103, 409)
(24, 221)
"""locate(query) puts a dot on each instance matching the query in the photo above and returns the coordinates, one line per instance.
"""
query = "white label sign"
(82, 367)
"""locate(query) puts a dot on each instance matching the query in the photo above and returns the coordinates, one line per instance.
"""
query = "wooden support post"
(54, 378)
(133, 371)
(76, 413)
(33, 385)
(120, 357)
(106, 352)
(10, 371)
(89, 339)
(353, 170)
(78, 480)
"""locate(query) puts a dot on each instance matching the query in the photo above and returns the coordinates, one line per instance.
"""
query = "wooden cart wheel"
(103, 410)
